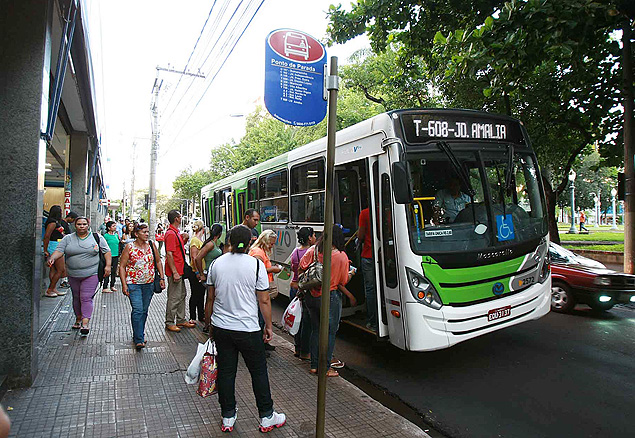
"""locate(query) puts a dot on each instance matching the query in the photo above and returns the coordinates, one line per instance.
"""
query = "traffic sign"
(295, 65)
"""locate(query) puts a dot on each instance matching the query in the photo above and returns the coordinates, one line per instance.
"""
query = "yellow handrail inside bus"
(417, 210)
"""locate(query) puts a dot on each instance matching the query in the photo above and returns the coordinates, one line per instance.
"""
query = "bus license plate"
(499, 313)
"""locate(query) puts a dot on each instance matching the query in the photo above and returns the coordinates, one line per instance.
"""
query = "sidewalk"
(102, 387)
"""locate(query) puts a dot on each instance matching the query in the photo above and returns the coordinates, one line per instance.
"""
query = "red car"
(576, 279)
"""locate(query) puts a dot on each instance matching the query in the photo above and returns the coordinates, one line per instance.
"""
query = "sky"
(129, 39)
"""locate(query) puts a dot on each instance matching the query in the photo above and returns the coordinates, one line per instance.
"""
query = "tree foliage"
(388, 80)
(553, 64)
(189, 183)
(266, 137)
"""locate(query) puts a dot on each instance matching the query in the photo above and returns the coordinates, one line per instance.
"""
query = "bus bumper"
(433, 330)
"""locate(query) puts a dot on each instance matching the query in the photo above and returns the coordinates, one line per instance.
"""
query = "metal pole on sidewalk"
(332, 85)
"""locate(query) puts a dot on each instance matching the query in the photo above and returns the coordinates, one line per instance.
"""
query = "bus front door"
(388, 296)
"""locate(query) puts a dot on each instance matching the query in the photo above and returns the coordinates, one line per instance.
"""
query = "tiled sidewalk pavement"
(101, 387)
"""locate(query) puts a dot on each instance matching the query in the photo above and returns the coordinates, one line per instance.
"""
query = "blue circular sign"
(294, 77)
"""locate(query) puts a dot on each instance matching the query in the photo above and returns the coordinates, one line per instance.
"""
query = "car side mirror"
(402, 186)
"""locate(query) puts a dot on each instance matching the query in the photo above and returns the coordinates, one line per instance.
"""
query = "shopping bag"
(209, 371)
(194, 370)
(292, 316)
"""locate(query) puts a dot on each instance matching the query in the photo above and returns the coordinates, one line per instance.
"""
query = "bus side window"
(252, 195)
(274, 197)
(307, 192)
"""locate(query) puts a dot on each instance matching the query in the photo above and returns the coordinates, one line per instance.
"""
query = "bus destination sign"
(421, 128)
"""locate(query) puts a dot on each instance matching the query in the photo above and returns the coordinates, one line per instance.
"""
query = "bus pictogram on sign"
(296, 46)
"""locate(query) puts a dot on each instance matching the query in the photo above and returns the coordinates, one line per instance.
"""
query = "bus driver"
(449, 202)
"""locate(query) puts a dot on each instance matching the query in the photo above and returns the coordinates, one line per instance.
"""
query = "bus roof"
(378, 123)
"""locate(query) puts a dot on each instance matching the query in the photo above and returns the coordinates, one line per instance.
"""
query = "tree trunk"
(551, 197)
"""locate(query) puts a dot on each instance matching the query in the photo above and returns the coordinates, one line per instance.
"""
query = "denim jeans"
(303, 337)
(335, 313)
(228, 344)
(368, 270)
(140, 297)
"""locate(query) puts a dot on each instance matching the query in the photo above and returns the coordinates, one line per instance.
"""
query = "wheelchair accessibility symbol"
(505, 227)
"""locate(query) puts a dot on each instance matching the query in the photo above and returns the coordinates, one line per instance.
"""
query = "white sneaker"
(106, 290)
(60, 293)
(274, 420)
(228, 423)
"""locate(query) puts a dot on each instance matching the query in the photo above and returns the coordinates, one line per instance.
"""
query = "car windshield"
(466, 200)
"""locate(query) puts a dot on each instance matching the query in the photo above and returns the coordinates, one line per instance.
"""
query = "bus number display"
(445, 129)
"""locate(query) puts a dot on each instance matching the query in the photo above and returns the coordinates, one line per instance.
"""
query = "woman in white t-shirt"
(238, 286)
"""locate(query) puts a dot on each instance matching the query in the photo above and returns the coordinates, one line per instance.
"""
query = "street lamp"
(572, 229)
(597, 211)
(613, 195)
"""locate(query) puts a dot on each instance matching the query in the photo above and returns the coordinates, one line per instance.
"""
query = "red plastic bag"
(209, 371)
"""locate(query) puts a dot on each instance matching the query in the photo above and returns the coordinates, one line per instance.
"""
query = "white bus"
(458, 218)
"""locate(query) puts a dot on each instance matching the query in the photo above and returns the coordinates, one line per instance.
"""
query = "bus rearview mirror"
(402, 185)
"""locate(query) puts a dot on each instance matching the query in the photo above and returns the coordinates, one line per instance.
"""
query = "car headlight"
(422, 290)
(602, 281)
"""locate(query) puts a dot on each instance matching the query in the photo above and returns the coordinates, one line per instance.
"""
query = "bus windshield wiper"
(445, 148)
(510, 164)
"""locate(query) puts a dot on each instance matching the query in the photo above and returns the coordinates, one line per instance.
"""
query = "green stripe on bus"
(466, 294)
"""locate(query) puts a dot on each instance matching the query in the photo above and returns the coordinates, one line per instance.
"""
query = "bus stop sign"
(295, 64)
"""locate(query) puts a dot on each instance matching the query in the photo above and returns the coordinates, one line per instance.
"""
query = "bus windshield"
(471, 199)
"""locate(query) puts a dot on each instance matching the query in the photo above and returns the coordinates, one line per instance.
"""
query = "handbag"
(193, 373)
(312, 276)
(102, 260)
(209, 372)
(156, 285)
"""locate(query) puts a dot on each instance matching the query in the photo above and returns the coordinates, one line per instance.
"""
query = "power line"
(192, 53)
(227, 41)
(216, 74)
(209, 54)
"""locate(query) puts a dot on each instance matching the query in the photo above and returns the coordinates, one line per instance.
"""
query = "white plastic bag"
(292, 316)
(194, 370)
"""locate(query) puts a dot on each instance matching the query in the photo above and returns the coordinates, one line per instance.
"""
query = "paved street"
(561, 376)
(101, 387)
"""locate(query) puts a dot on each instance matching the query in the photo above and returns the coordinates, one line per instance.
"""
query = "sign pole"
(332, 85)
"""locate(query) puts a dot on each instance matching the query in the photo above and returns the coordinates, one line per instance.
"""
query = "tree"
(593, 179)
(266, 137)
(553, 64)
(188, 184)
(387, 80)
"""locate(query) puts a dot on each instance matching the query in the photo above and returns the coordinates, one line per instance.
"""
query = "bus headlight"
(422, 290)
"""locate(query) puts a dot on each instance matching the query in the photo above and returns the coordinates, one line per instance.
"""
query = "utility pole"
(154, 151)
